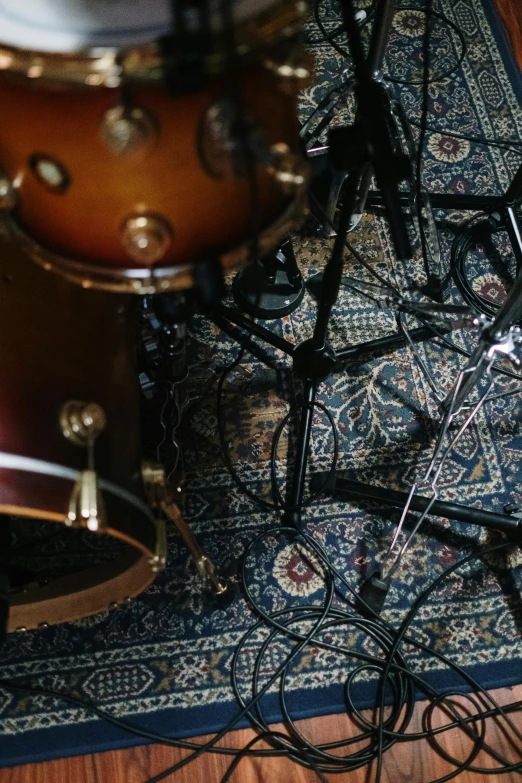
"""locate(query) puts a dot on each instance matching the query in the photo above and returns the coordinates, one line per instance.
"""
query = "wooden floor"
(511, 13)
(403, 763)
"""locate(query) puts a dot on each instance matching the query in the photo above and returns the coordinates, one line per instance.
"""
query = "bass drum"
(123, 183)
(68, 368)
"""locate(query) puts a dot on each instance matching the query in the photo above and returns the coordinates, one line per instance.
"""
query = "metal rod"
(514, 192)
(253, 328)
(333, 273)
(515, 236)
(245, 340)
(382, 26)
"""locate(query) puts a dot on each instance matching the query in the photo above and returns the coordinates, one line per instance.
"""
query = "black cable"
(396, 679)
(327, 616)
(471, 232)
(279, 504)
(331, 40)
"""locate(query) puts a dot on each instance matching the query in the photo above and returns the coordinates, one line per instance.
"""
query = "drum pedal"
(218, 589)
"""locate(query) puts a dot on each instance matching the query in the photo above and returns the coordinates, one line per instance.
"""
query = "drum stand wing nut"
(506, 344)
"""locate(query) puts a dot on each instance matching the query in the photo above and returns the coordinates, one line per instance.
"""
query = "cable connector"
(373, 592)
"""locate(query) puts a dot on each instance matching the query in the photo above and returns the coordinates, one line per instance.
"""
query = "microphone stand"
(366, 144)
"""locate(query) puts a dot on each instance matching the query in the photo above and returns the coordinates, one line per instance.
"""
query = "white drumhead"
(68, 26)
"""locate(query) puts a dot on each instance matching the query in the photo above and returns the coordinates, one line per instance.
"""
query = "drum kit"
(145, 148)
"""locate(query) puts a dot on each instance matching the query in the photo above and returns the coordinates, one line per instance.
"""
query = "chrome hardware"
(222, 149)
(131, 280)
(153, 476)
(159, 561)
(288, 168)
(506, 344)
(7, 192)
(82, 423)
(156, 489)
(86, 505)
(126, 130)
(146, 238)
(292, 64)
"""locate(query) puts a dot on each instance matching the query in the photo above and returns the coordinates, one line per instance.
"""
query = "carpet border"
(99, 737)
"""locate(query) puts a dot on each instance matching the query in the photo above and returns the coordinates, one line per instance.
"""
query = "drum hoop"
(21, 463)
(109, 66)
(158, 280)
(99, 588)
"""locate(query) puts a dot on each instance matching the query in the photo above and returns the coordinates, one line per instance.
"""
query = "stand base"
(271, 288)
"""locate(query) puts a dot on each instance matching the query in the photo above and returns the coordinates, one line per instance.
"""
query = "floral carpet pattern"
(165, 659)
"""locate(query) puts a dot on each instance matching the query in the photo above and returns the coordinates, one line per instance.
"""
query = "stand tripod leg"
(244, 322)
(303, 444)
(331, 205)
(346, 489)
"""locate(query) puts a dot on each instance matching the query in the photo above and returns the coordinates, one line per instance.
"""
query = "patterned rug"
(165, 660)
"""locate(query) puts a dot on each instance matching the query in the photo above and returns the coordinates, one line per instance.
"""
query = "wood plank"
(511, 13)
(404, 762)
